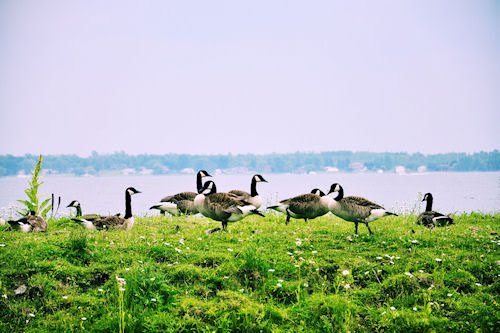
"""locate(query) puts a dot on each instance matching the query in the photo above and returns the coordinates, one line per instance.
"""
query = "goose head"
(259, 178)
(73, 204)
(208, 188)
(335, 188)
(203, 173)
(132, 191)
(427, 197)
(317, 191)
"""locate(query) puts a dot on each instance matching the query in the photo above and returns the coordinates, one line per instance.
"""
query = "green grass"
(261, 275)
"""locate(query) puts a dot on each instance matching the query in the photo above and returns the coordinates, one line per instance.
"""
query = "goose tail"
(257, 212)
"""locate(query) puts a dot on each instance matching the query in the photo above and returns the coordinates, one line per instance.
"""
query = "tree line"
(299, 162)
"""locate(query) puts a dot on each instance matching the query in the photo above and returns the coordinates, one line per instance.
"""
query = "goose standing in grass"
(253, 197)
(304, 206)
(355, 209)
(223, 207)
(29, 223)
(182, 203)
(431, 218)
(113, 221)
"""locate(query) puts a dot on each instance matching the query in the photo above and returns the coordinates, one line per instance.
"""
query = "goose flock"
(235, 205)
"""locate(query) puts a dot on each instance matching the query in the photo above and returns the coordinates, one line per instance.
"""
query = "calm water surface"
(453, 192)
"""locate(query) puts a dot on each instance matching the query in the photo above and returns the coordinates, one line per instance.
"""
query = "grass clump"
(167, 275)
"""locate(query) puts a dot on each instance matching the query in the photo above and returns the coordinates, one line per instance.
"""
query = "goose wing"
(359, 201)
(432, 219)
(106, 222)
(37, 223)
(239, 193)
(186, 207)
(179, 197)
(303, 204)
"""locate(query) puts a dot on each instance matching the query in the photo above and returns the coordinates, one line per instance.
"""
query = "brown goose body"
(304, 206)
(223, 207)
(29, 223)
(113, 221)
(431, 218)
(253, 197)
(181, 203)
(355, 209)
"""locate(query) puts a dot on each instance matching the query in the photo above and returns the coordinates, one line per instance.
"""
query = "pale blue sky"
(255, 76)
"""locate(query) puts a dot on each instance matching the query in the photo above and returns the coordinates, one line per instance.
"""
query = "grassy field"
(167, 275)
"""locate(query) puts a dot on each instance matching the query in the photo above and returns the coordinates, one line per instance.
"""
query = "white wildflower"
(414, 241)
(178, 250)
(280, 280)
(378, 258)
(347, 286)
(271, 270)
(414, 309)
(393, 308)
(32, 315)
(181, 241)
(278, 285)
(230, 249)
(314, 252)
(449, 294)
(142, 237)
(367, 272)
(153, 299)
(65, 297)
(306, 284)
(241, 290)
(345, 272)
(409, 274)
(84, 318)
(2, 245)
(199, 238)
(478, 284)
(299, 243)
(439, 260)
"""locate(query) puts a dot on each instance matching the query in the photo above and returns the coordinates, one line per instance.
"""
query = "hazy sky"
(254, 76)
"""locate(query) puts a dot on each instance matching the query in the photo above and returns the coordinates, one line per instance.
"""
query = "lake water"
(453, 192)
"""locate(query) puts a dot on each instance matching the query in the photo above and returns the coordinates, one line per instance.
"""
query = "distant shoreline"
(296, 163)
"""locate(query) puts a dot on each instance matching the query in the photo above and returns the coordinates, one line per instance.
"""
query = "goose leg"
(370, 230)
(356, 228)
(224, 225)
(287, 217)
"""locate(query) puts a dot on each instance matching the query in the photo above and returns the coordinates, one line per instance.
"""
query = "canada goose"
(222, 207)
(114, 221)
(181, 203)
(355, 209)
(431, 218)
(304, 206)
(29, 223)
(253, 197)
(86, 219)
